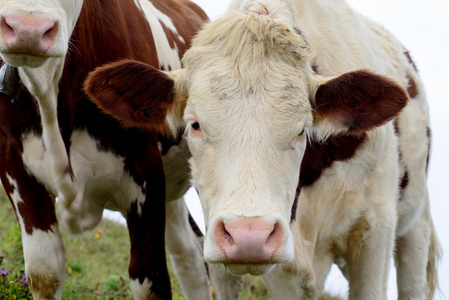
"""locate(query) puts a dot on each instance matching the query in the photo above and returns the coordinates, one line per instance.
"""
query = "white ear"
(356, 102)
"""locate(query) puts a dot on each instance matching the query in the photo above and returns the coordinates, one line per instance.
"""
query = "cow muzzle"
(249, 244)
(26, 37)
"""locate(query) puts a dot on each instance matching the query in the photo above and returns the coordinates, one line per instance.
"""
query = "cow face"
(32, 31)
(250, 101)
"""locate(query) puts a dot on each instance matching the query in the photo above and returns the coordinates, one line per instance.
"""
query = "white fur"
(141, 291)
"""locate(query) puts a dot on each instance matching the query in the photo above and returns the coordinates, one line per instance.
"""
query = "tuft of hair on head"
(243, 37)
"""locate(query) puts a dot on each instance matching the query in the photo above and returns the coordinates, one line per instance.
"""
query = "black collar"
(10, 83)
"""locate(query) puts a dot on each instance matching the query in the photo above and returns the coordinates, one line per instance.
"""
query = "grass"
(97, 264)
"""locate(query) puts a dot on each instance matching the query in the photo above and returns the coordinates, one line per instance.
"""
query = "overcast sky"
(423, 27)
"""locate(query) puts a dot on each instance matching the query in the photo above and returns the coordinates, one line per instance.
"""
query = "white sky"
(423, 27)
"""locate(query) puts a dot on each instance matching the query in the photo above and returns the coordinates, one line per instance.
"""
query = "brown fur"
(113, 87)
(360, 100)
(412, 88)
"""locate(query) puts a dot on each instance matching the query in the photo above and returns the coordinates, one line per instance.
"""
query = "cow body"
(56, 144)
(297, 155)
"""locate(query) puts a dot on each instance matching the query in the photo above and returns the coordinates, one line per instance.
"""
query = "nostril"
(51, 32)
(7, 29)
(223, 236)
(275, 237)
(227, 236)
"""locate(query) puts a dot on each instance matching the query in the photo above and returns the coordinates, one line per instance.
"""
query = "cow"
(309, 132)
(55, 144)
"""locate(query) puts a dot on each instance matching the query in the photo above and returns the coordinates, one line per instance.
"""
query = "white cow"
(300, 158)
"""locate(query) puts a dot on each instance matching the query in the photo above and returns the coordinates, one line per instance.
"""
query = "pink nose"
(249, 240)
(27, 34)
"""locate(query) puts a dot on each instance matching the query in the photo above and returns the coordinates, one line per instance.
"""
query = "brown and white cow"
(303, 150)
(54, 142)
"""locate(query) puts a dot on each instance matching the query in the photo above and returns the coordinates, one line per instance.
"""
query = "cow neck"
(43, 85)
(321, 155)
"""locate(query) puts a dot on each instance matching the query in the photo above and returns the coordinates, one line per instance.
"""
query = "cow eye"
(196, 126)
(302, 132)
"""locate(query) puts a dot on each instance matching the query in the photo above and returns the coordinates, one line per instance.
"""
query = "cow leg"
(417, 252)
(322, 263)
(185, 252)
(227, 286)
(370, 247)
(43, 249)
(146, 222)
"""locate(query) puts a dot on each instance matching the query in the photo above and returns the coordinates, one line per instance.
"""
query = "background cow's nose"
(28, 34)
(249, 240)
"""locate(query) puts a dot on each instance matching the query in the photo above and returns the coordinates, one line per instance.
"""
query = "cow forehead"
(277, 104)
(248, 69)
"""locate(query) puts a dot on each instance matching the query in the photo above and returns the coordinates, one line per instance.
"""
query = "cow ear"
(356, 102)
(135, 93)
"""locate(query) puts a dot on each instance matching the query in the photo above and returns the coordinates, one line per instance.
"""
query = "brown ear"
(358, 101)
(133, 92)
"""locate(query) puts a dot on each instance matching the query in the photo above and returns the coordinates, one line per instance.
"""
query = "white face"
(247, 141)
(32, 31)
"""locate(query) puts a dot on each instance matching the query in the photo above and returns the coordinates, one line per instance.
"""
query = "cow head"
(249, 100)
(33, 31)
(34, 35)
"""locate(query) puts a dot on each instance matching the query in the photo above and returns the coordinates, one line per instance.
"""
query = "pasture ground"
(97, 264)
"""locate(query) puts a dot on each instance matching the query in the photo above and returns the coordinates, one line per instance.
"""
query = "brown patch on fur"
(43, 283)
(361, 100)
(410, 60)
(196, 9)
(396, 127)
(403, 185)
(412, 88)
(302, 35)
(133, 92)
(429, 145)
(320, 156)
(36, 208)
(168, 140)
(187, 17)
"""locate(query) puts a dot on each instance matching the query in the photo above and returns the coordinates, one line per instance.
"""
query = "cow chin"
(21, 60)
(253, 269)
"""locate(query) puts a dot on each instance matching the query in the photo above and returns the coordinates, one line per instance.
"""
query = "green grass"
(97, 264)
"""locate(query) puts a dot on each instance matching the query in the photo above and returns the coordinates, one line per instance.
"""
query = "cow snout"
(249, 240)
(28, 34)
